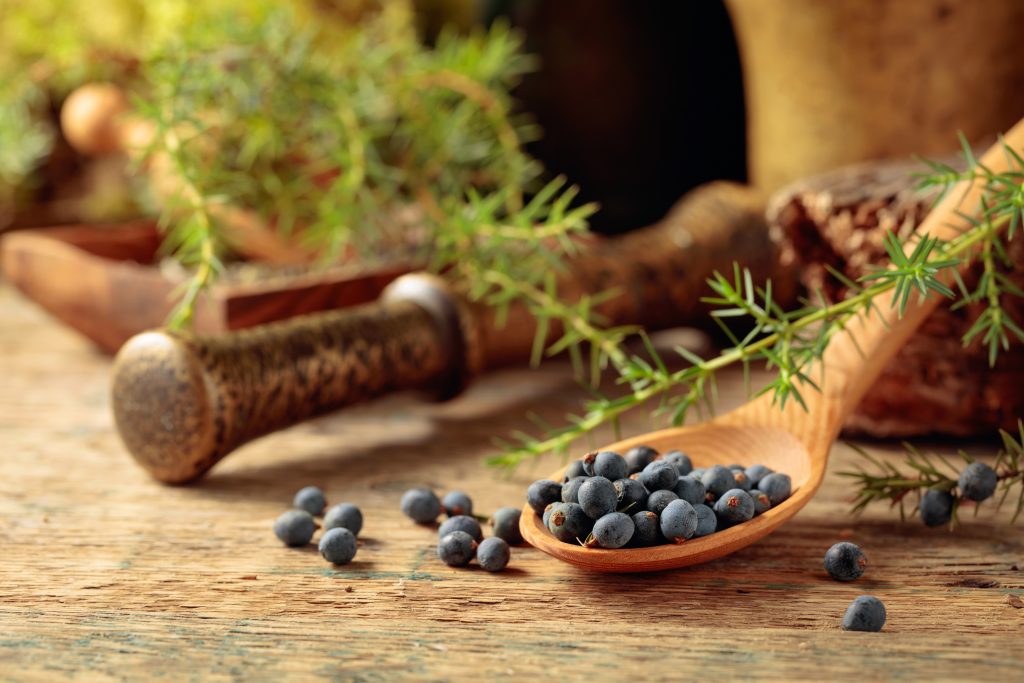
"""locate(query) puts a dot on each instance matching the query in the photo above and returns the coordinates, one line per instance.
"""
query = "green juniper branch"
(887, 482)
(786, 343)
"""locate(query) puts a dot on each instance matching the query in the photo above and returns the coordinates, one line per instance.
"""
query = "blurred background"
(638, 101)
(253, 104)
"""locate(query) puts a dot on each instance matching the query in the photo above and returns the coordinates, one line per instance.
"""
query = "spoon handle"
(856, 357)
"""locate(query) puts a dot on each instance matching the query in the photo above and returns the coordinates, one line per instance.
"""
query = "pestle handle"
(181, 403)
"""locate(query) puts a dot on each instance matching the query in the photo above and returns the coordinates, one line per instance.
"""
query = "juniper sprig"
(788, 343)
(920, 471)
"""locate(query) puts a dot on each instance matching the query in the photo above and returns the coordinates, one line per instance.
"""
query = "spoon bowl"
(706, 444)
(794, 439)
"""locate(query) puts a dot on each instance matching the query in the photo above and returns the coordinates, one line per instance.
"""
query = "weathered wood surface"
(106, 575)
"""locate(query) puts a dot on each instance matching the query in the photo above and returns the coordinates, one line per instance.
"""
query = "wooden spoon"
(793, 440)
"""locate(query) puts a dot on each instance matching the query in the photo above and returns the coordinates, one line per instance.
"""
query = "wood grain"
(107, 575)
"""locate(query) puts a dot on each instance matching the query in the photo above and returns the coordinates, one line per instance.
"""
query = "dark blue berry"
(610, 465)
(645, 529)
(755, 473)
(845, 561)
(569, 523)
(542, 493)
(734, 507)
(936, 507)
(457, 503)
(597, 497)
(680, 460)
(588, 463)
(571, 489)
(659, 476)
(777, 486)
(547, 512)
(338, 545)
(631, 495)
(505, 523)
(456, 549)
(311, 499)
(421, 505)
(717, 480)
(866, 613)
(761, 502)
(493, 554)
(461, 523)
(344, 516)
(689, 489)
(574, 470)
(612, 531)
(639, 457)
(295, 527)
(657, 501)
(742, 482)
(707, 521)
(978, 482)
(678, 521)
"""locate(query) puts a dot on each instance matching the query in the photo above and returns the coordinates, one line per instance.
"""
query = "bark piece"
(934, 385)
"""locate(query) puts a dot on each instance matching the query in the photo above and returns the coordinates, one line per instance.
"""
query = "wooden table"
(108, 575)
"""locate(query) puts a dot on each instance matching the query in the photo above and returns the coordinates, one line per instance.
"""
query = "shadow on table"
(395, 443)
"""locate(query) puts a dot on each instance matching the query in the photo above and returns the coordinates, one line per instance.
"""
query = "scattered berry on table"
(612, 531)
(761, 502)
(680, 460)
(505, 523)
(569, 523)
(866, 613)
(345, 516)
(735, 506)
(777, 486)
(543, 492)
(717, 480)
(639, 457)
(493, 554)
(678, 521)
(610, 465)
(631, 495)
(645, 529)
(659, 476)
(311, 499)
(574, 470)
(571, 489)
(461, 523)
(690, 489)
(755, 473)
(657, 501)
(707, 521)
(295, 527)
(457, 503)
(597, 497)
(936, 507)
(456, 549)
(338, 545)
(978, 481)
(421, 505)
(845, 561)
